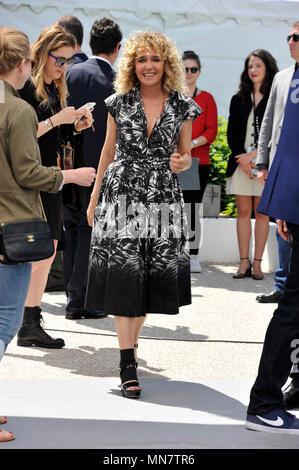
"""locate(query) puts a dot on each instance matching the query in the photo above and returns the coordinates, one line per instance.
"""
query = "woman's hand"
(283, 230)
(179, 162)
(243, 159)
(85, 122)
(68, 115)
(90, 212)
(248, 170)
(84, 176)
(262, 176)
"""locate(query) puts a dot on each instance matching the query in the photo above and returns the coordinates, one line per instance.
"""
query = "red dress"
(205, 125)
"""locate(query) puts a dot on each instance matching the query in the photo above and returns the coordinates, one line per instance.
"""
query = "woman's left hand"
(179, 162)
(86, 123)
(243, 159)
(282, 229)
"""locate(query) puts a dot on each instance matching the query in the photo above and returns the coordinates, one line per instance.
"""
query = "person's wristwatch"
(195, 142)
(49, 123)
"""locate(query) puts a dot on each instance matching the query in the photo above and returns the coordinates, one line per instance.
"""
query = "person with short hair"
(22, 176)
(279, 139)
(73, 25)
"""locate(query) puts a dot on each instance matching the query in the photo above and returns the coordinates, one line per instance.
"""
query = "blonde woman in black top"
(46, 91)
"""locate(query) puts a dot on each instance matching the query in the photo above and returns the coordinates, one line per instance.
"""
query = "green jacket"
(22, 175)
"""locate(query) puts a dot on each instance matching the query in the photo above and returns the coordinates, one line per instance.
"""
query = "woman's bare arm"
(181, 160)
(107, 157)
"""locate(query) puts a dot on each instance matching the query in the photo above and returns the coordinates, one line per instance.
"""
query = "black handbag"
(26, 241)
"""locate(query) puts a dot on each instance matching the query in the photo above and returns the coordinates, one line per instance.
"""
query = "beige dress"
(240, 183)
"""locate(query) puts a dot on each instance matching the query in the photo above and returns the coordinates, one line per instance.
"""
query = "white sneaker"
(194, 264)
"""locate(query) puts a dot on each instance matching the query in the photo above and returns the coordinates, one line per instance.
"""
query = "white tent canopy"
(222, 32)
(243, 11)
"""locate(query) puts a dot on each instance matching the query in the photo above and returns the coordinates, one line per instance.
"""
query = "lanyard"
(255, 122)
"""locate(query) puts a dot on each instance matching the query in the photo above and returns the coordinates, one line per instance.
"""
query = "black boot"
(32, 334)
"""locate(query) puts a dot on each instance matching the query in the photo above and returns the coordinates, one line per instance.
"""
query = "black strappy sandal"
(128, 376)
(247, 273)
(257, 277)
(136, 347)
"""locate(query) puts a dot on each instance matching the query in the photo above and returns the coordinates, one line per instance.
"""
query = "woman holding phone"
(46, 91)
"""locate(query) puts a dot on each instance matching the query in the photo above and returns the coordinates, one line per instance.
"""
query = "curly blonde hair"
(50, 39)
(174, 76)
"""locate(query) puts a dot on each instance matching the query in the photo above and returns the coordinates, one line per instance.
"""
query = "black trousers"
(193, 197)
(279, 353)
(76, 255)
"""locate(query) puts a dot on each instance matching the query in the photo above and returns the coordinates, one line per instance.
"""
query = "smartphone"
(88, 106)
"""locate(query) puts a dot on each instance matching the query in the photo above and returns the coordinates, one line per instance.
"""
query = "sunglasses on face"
(192, 69)
(294, 36)
(61, 61)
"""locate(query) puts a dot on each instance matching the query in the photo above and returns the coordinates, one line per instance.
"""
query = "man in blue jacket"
(90, 81)
(280, 200)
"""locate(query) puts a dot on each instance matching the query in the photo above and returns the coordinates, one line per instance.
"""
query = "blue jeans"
(14, 285)
(280, 275)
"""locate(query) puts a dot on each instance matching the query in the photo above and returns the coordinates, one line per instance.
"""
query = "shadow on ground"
(146, 423)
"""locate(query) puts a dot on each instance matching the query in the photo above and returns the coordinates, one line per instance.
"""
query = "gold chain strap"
(42, 207)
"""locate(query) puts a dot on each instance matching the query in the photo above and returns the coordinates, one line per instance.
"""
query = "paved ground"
(196, 370)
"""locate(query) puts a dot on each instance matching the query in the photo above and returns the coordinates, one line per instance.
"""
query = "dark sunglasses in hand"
(192, 69)
(294, 36)
(61, 61)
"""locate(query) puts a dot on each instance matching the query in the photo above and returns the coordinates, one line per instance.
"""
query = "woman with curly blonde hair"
(173, 77)
(139, 261)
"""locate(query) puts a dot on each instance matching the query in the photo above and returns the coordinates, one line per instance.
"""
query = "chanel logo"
(30, 238)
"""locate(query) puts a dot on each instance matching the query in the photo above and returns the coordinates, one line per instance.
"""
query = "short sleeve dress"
(139, 259)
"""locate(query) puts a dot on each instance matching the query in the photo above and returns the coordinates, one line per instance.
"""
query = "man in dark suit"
(90, 81)
(266, 410)
(73, 25)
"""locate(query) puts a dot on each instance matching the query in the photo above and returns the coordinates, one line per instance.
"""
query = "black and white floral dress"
(139, 259)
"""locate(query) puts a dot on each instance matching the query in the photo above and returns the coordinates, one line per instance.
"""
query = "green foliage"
(219, 153)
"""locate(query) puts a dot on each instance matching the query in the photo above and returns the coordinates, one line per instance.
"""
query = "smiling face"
(51, 70)
(294, 46)
(256, 70)
(149, 67)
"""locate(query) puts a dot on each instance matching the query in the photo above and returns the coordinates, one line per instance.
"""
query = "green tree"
(219, 153)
